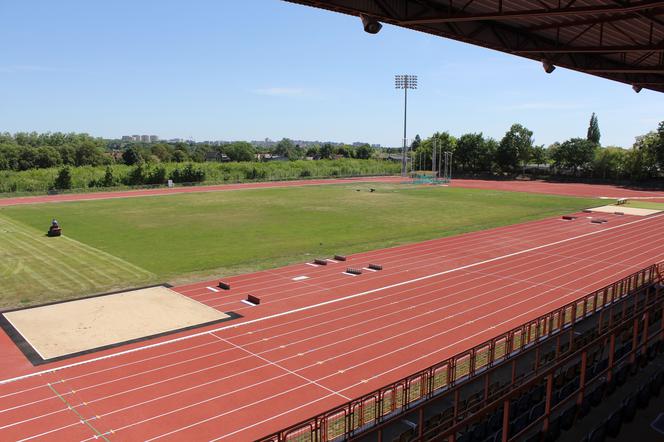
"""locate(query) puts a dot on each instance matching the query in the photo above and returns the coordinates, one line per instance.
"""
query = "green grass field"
(109, 244)
(645, 205)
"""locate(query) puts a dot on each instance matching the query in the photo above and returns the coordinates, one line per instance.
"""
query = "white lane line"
(212, 289)
(310, 381)
(483, 331)
(246, 302)
(349, 274)
(331, 260)
(312, 264)
(530, 234)
(300, 278)
(331, 301)
(368, 269)
(258, 383)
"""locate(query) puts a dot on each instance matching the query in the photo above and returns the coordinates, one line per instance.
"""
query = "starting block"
(375, 267)
(569, 217)
(353, 271)
(339, 258)
(598, 220)
(619, 213)
(253, 299)
(224, 285)
(587, 211)
(320, 262)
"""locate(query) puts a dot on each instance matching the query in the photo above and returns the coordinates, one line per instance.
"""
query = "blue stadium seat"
(598, 434)
(553, 433)
(614, 423)
(537, 411)
(643, 396)
(567, 418)
(628, 409)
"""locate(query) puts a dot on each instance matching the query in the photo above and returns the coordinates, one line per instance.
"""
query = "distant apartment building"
(141, 138)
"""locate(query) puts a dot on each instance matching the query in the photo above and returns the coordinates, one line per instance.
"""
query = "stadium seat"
(480, 430)
(519, 424)
(496, 420)
(538, 393)
(537, 411)
(537, 437)
(643, 396)
(567, 418)
(584, 408)
(597, 395)
(408, 435)
(628, 409)
(614, 423)
(621, 375)
(598, 434)
(553, 432)
(464, 437)
(656, 385)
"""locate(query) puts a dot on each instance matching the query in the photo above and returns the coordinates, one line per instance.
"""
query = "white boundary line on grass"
(321, 304)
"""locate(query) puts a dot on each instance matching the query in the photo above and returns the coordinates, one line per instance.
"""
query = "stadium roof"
(614, 39)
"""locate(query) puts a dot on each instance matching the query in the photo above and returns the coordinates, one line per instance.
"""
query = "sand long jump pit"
(625, 210)
(63, 330)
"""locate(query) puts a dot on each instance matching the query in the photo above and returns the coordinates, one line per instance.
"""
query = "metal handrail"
(372, 408)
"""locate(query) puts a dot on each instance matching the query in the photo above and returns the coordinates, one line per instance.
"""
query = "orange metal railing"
(370, 409)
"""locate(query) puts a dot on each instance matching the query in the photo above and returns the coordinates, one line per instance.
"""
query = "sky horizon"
(271, 69)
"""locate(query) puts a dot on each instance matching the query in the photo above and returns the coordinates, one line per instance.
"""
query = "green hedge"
(90, 178)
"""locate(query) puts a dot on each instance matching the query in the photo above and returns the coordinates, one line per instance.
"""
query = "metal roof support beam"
(539, 13)
(590, 49)
(626, 70)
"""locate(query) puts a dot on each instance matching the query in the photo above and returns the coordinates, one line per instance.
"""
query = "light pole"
(405, 82)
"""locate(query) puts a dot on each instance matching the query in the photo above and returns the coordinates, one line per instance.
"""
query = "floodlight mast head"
(405, 81)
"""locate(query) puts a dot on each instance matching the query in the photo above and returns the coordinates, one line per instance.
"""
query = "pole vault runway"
(320, 336)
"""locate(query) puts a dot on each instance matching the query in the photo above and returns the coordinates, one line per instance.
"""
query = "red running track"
(566, 189)
(66, 197)
(314, 343)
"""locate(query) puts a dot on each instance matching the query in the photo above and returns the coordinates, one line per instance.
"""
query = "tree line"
(579, 156)
(25, 151)
(515, 152)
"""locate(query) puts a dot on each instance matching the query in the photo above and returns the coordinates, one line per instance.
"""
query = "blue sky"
(252, 69)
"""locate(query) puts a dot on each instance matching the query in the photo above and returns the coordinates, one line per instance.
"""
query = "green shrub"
(63, 180)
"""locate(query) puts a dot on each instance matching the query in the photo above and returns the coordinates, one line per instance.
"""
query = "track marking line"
(80, 417)
(246, 302)
(212, 289)
(300, 278)
(494, 327)
(331, 301)
(310, 381)
(312, 264)
(365, 301)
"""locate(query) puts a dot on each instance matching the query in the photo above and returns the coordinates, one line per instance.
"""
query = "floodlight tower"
(405, 82)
